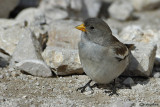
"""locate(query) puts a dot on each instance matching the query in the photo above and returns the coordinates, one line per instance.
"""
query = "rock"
(93, 7)
(4, 58)
(9, 37)
(63, 34)
(141, 60)
(121, 10)
(54, 3)
(1, 76)
(5, 23)
(32, 15)
(35, 67)
(8, 6)
(140, 5)
(129, 81)
(76, 5)
(55, 13)
(27, 48)
(65, 61)
(27, 57)
(156, 74)
(137, 34)
(54, 9)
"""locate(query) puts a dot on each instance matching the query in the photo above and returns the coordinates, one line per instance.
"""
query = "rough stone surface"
(8, 6)
(10, 36)
(30, 15)
(145, 4)
(141, 60)
(55, 9)
(65, 61)
(138, 34)
(121, 10)
(27, 48)
(64, 34)
(35, 67)
(92, 6)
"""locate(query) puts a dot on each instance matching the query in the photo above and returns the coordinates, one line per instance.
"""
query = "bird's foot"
(112, 92)
(82, 89)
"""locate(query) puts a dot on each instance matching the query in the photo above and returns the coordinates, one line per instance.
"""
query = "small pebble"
(1, 76)
(88, 91)
(37, 83)
(129, 81)
(8, 74)
(156, 75)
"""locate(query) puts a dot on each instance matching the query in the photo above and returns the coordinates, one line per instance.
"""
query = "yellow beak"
(81, 27)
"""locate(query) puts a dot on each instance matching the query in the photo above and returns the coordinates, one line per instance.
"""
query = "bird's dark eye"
(92, 27)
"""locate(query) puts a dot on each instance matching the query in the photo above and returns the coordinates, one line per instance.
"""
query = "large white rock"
(35, 67)
(10, 35)
(141, 60)
(65, 61)
(64, 34)
(121, 10)
(6, 6)
(27, 48)
(145, 4)
(30, 15)
(27, 56)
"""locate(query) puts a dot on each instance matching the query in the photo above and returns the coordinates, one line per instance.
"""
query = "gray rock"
(9, 37)
(137, 34)
(156, 74)
(8, 6)
(141, 60)
(76, 5)
(121, 10)
(54, 9)
(129, 81)
(1, 76)
(35, 67)
(32, 15)
(63, 34)
(145, 4)
(65, 61)
(54, 3)
(92, 6)
(27, 48)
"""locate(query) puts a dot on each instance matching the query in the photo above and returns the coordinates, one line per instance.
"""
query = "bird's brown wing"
(120, 51)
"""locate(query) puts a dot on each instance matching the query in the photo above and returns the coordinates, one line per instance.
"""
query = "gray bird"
(103, 56)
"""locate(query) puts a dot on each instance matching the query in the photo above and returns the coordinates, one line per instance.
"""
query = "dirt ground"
(21, 90)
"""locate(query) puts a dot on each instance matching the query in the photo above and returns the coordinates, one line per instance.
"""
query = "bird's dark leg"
(113, 90)
(84, 87)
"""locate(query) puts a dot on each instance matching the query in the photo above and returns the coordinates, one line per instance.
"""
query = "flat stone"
(35, 67)
(129, 81)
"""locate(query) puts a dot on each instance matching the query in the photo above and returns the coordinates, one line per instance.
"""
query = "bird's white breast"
(98, 62)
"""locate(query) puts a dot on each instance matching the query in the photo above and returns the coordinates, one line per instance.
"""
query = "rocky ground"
(39, 62)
